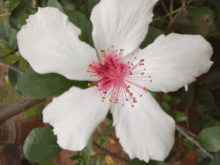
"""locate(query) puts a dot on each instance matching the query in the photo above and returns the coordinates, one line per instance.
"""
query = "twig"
(18, 107)
(2, 62)
(111, 154)
(179, 128)
(167, 11)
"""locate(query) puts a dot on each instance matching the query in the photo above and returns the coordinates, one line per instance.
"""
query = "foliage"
(196, 17)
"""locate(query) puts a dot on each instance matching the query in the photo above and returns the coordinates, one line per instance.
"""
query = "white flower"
(50, 43)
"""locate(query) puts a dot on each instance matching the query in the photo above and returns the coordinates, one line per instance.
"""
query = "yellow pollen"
(121, 50)
(91, 75)
(128, 86)
(142, 63)
(132, 106)
(135, 101)
(103, 97)
(89, 84)
(89, 66)
(115, 55)
(122, 104)
(131, 94)
(142, 73)
(119, 71)
(132, 53)
(149, 76)
(127, 90)
(130, 73)
(112, 46)
(110, 100)
(142, 60)
(108, 49)
(87, 70)
(126, 99)
(102, 50)
(113, 98)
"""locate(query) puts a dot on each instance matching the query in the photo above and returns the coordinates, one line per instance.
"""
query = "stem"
(111, 154)
(2, 62)
(18, 107)
(180, 129)
(171, 13)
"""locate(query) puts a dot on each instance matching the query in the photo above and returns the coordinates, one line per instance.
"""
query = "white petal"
(174, 60)
(122, 23)
(144, 131)
(50, 43)
(74, 115)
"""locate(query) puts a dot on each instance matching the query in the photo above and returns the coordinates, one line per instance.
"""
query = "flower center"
(116, 76)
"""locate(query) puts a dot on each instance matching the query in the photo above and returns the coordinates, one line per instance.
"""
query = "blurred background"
(196, 112)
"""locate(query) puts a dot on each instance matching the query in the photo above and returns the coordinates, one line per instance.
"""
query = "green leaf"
(103, 142)
(152, 34)
(166, 98)
(212, 80)
(180, 116)
(166, 107)
(202, 110)
(79, 19)
(13, 76)
(210, 138)
(17, 14)
(216, 159)
(189, 144)
(41, 145)
(156, 96)
(86, 152)
(205, 161)
(176, 100)
(75, 157)
(188, 96)
(56, 4)
(46, 163)
(90, 4)
(196, 122)
(42, 86)
(214, 2)
(12, 4)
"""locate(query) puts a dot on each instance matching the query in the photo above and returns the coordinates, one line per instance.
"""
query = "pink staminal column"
(116, 76)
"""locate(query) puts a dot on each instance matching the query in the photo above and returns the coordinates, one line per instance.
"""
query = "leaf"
(214, 2)
(46, 163)
(152, 34)
(196, 122)
(216, 159)
(166, 98)
(189, 144)
(14, 76)
(176, 100)
(17, 14)
(41, 145)
(202, 110)
(166, 107)
(90, 4)
(75, 157)
(205, 161)
(156, 96)
(180, 116)
(212, 81)
(210, 138)
(56, 4)
(48, 85)
(188, 96)
(79, 19)
(86, 152)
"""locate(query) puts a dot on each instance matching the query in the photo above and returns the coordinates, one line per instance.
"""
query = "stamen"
(117, 77)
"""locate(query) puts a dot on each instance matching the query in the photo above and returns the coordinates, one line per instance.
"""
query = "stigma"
(117, 76)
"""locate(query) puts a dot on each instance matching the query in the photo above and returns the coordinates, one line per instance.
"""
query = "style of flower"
(122, 74)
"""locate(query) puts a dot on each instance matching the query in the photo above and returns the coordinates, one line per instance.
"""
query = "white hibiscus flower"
(50, 43)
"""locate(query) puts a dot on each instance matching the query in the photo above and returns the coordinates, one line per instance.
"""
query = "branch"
(11, 66)
(18, 107)
(111, 154)
(180, 129)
